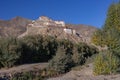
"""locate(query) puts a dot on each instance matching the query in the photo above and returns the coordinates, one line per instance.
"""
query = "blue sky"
(89, 12)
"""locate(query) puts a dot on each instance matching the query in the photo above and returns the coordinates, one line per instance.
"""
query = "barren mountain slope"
(60, 30)
(20, 27)
(13, 27)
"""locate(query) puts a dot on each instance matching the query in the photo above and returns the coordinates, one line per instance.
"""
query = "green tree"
(78, 58)
(98, 38)
(32, 48)
(82, 52)
(61, 62)
(113, 17)
(38, 48)
(66, 44)
(108, 62)
(10, 51)
(109, 35)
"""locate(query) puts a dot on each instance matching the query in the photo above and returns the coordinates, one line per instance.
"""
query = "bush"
(106, 63)
(31, 48)
(38, 48)
(26, 76)
(10, 51)
(67, 45)
(82, 52)
(78, 58)
(61, 62)
(42, 74)
(86, 49)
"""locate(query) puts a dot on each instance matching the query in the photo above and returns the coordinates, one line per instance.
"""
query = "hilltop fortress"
(45, 21)
(46, 26)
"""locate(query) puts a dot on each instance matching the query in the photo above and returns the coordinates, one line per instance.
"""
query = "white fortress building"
(69, 31)
(45, 21)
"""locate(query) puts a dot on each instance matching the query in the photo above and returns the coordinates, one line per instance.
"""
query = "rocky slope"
(20, 27)
(13, 27)
(60, 30)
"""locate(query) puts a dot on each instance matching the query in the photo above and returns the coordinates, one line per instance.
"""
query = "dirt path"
(23, 68)
(86, 74)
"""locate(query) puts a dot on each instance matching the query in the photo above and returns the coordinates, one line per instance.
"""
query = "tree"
(98, 38)
(82, 52)
(32, 48)
(109, 35)
(38, 48)
(113, 17)
(61, 62)
(67, 45)
(112, 28)
(109, 61)
(10, 51)
(78, 58)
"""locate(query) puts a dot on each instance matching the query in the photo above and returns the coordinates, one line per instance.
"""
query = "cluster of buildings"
(44, 22)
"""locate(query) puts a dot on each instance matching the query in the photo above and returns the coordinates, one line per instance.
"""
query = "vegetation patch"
(106, 63)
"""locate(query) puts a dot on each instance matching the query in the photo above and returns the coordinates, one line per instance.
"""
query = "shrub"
(90, 59)
(38, 48)
(61, 62)
(10, 51)
(78, 58)
(82, 52)
(42, 74)
(86, 49)
(31, 48)
(109, 34)
(67, 45)
(106, 63)
(50, 46)
(26, 76)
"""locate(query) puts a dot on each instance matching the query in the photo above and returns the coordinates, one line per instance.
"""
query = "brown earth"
(19, 26)
(86, 73)
(13, 27)
(23, 68)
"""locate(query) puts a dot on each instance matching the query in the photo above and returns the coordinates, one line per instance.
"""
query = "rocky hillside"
(46, 26)
(20, 27)
(13, 27)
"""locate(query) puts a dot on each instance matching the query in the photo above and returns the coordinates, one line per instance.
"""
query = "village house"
(69, 31)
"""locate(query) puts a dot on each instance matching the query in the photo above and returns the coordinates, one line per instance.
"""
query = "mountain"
(46, 26)
(13, 27)
(20, 27)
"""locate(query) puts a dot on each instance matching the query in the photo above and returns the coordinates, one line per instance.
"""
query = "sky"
(89, 12)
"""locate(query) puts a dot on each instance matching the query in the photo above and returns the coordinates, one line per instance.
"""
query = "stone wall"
(36, 30)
